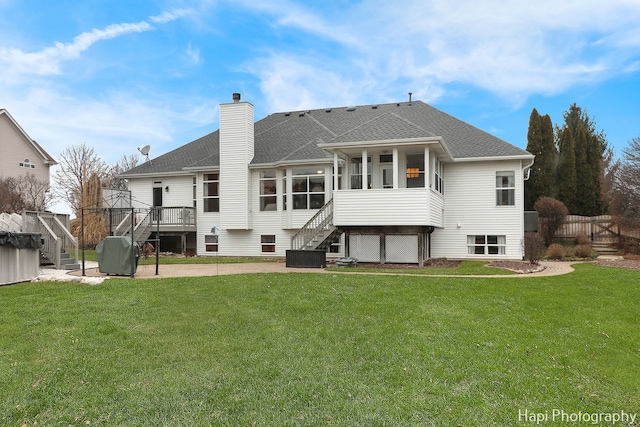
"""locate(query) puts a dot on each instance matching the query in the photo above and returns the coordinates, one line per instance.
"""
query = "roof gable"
(46, 157)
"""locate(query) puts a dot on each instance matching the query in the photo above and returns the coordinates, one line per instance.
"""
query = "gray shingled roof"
(294, 136)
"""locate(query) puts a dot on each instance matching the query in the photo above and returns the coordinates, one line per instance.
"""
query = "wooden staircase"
(319, 232)
(142, 226)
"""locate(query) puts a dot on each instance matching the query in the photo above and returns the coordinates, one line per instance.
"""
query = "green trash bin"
(115, 255)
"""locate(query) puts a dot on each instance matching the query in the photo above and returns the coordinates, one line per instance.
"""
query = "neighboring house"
(412, 183)
(21, 155)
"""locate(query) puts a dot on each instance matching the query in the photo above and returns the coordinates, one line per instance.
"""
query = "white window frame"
(211, 243)
(486, 245)
(438, 176)
(268, 193)
(505, 188)
(415, 172)
(268, 243)
(305, 195)
(205, 186)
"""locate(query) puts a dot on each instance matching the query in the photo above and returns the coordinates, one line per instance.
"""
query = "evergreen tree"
(584, 199)
(589, 146)
(549, 158)
(534, 146)
(567, 171)
(541, 143)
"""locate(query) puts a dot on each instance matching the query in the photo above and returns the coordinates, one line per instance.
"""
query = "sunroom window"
(355, 173)
(415, 171)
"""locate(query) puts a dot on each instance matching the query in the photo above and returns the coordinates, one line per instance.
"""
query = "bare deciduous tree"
(25, 192)
(124, 164)
(77, 164)
(625, 194)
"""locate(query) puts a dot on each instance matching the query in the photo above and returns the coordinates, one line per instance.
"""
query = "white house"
(400, 182)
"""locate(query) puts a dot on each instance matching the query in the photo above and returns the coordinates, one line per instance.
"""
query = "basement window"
(210, 243)
(486, 245)
(268, 242)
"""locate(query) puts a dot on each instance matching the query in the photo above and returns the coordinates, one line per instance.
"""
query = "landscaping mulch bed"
(631, 264)
(521, 267)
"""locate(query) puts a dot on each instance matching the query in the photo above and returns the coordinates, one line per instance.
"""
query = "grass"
(466, 268)
(90, 255)
(310, 349)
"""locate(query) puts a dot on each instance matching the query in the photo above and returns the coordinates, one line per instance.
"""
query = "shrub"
(551, 213)
(582, 251)
(582, 239)
(555, 251)
(534, 247)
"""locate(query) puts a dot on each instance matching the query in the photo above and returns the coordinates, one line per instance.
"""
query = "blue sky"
(123, 74)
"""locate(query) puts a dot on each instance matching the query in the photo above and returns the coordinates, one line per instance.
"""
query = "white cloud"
(169, 16)
(17, 64)
(193, 54)
(511, 49)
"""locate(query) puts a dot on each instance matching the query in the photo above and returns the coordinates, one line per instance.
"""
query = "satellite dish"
(145, 151)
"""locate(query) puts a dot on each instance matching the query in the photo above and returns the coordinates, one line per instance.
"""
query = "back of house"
(392, 183)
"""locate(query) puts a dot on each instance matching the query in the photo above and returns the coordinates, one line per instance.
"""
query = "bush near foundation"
(555, 251)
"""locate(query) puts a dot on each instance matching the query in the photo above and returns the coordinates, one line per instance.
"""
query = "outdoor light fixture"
(166, 188)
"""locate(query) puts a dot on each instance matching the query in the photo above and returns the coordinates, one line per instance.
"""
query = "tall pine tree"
(541, 143)
(567, 183)
(589, 147)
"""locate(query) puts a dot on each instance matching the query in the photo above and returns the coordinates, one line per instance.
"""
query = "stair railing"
(314, 227)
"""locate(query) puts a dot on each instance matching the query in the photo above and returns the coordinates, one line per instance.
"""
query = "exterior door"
(386, 176)
(157, 198)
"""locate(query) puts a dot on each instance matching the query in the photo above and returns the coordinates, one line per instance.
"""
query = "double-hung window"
(308, 188)
(268, 198)
(211, 192)
(505, 188)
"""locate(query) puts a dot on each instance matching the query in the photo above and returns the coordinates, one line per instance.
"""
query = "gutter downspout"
(527, 169)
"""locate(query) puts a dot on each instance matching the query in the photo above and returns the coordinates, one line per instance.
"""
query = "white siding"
(401, 206)
(437, 209)
(236, 151)
(180, 191)
(141, 192)
(15, 149)
(470, 197)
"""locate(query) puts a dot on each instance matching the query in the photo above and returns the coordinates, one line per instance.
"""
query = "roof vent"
(287, 114)
(328, 110)
(410, 93)
(351, 108)
(301, 114)
(236, 97)
(374, 107)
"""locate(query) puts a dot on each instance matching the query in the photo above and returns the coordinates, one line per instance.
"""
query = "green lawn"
(320, 349)
(90, 255)
(466, 268)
